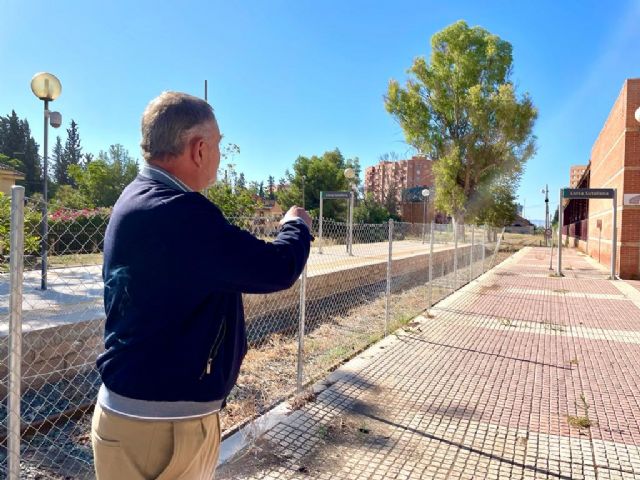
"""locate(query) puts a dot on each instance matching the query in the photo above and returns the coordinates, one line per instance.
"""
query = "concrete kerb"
(242, 438)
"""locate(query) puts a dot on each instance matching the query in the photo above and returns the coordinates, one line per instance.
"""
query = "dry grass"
(302, 399)
(75, 260)
(268, 374)
(515, 241)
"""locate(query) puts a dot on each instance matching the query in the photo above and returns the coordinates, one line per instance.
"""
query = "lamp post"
(350, 175)
(47, 88)
(304, 178)
(545, 191)
(425, 203)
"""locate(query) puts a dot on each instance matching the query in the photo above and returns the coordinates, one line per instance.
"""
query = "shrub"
(32, 219)
(77, 231)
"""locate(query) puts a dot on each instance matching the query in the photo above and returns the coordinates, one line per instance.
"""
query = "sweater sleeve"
(234, 260)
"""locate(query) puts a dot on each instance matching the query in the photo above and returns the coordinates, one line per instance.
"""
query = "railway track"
(44, 425)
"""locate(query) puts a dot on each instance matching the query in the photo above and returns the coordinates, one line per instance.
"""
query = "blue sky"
(290, 78)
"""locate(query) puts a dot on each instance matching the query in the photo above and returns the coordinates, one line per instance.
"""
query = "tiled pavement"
(482, 389)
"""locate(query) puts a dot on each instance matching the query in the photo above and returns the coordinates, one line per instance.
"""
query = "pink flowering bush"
(77, 231)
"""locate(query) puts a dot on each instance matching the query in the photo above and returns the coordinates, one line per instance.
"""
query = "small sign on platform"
(335, 195)
(579, 193)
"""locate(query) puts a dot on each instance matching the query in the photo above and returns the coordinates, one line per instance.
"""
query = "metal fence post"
(473, 238)
(497, 249)
(431, 267)
(303, 314)
(560, 225)
(320, 224)
(551, 255)
(388, 293)
(455, 254)
(16, 253)
(484, 239)
(352, 205)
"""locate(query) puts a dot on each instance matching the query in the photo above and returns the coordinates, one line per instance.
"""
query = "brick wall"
(615, 163)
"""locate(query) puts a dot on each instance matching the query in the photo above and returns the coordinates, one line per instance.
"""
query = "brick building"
(575, 174)
(399, 176)
(614, 163)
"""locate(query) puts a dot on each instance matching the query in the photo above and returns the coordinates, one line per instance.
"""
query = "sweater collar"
(160, 175)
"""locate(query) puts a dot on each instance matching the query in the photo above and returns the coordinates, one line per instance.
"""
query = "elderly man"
(174, 273)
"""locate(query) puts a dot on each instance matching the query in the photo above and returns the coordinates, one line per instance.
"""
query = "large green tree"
(462, 110)
(102, 180)
(321, 173)
(60, 167)
(72, 154)
(17, 143)
(11, 162)
(497, 205)
(271, 187)
(369, 210)
(235, 205)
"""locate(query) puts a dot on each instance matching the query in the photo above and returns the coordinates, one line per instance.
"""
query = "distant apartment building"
(398, 176)
(575, 174)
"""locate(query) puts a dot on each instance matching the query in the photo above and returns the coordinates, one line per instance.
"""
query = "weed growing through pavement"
(323, 431)
(581, 422)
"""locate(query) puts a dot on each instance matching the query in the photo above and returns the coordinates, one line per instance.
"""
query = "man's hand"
(297, 212)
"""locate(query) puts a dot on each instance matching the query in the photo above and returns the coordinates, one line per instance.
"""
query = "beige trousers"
(129, 449)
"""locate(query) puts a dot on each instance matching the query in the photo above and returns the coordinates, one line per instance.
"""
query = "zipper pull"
(209, 366)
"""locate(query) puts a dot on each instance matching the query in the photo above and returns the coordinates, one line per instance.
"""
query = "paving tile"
(484, 389)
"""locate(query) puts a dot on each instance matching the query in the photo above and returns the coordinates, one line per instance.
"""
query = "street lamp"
(47, 88)
(350, 175)
(425, 202)
(304, 177)
(545, 192)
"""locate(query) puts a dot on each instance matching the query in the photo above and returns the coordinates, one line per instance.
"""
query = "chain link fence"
(350, 296)
(61, 332)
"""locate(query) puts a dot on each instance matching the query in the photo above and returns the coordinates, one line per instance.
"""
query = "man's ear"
(196, 150)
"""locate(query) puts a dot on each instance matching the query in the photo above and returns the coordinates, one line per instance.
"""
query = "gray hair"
(169, 121)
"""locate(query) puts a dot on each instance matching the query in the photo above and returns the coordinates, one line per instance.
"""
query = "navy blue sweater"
(174, 271)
